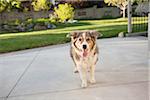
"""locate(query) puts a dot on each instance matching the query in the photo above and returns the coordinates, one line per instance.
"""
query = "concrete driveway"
(47, 73)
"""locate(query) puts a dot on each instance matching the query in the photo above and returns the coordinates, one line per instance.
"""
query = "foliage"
(41, 5)
(122, 4)
(27, 25)
(118, 3)
(25, 9)
(53, 18)
(64, 12)
(9, 4)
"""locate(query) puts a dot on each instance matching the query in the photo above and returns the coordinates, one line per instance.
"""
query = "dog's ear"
(95, 34)
(72, 35)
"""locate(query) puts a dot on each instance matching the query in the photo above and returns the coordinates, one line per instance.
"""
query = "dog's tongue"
(85, 53)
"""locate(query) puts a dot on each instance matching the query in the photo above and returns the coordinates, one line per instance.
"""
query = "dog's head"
(84, 41)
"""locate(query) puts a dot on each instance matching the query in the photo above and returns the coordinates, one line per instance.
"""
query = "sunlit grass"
(25, 40)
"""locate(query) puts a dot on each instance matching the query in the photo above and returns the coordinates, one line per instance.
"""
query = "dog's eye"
(87, 39)
(74, 37)
(80, 39)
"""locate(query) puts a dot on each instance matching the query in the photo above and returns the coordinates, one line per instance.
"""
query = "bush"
(9, 5)
(64, 12)
(53, 18)
(41, 5)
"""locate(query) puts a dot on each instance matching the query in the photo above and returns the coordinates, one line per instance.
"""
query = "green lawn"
(25, 40)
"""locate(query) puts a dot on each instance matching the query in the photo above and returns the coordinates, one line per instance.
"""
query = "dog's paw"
(75, 70)
(84, 84)
(92, 81)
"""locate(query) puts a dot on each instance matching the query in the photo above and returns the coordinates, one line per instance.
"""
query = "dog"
(84, 53)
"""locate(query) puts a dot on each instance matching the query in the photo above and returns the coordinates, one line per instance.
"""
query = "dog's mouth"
(85, 53)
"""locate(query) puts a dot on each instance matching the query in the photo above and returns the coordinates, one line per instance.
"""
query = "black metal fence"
(140, 17)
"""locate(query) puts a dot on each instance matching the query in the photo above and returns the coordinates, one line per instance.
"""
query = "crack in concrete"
(26, 69)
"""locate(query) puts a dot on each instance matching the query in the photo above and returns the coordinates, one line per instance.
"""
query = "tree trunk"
(124, 12)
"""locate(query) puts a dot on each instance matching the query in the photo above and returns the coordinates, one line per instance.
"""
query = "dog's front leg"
(92, 74)
(82, 68)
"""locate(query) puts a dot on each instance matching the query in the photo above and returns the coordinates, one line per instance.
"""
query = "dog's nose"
(84, 46)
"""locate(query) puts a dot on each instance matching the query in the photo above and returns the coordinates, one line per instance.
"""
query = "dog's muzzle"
(85, 53)
(84, 47)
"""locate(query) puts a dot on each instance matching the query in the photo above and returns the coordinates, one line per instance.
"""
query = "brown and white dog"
(84, 52)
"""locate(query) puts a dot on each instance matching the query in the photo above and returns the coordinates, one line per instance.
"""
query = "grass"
(26, 40)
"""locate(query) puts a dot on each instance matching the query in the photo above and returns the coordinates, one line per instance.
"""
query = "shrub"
(64, 12)
(9, 4)
(53, 18)
(41, 5)
(17, 22)
(25, 9)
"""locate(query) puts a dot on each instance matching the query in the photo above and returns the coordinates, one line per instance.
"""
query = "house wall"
(94, 12)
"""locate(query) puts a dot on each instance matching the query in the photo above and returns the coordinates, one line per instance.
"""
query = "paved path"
(47, 73)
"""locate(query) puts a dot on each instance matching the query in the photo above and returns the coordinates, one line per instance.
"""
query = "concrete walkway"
(47, 73)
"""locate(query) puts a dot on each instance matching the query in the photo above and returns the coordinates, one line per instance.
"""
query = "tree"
(41, 5)
(122, 4)
(64, 12)
(9, 4)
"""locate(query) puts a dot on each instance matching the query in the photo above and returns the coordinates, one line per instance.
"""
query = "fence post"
(129, 17)
(149, 20)
(149, 30)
